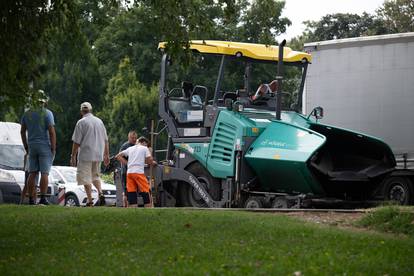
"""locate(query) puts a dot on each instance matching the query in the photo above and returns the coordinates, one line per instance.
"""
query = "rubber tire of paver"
(398, 189)
(280, 203)
(189, 197)
(254, 202)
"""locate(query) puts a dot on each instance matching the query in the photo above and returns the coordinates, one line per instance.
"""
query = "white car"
(75, 194)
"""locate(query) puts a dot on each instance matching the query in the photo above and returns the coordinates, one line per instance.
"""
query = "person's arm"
(50, 122)
(52, 135)
(148, 158)
(23, 135)
(106, 153)
(150, 161)
(73, 156)
(121, 158)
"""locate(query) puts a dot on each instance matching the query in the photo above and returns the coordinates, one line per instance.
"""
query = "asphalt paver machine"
(242, 147)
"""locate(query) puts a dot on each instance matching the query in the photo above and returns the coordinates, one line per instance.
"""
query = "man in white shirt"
(90, 147)
(137, 182)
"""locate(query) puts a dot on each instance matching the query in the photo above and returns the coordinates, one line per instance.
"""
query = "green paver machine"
(241, 147)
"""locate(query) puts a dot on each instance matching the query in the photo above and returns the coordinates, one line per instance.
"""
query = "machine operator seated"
(263, 90)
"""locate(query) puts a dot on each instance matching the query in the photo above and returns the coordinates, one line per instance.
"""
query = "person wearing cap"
(40, 144)
(90, 147)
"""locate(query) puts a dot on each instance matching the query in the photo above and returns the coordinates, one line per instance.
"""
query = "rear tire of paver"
(398, 189)
(189, 197)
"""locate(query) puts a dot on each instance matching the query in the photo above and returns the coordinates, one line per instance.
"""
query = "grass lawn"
(101, 241)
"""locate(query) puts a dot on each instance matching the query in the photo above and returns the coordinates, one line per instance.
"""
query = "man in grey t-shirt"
(90, 147)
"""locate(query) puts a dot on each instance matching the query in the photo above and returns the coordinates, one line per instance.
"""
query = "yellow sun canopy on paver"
(250, 50)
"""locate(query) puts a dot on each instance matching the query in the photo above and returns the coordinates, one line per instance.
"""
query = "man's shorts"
(137, 182)
(40, 158)
(88, 172)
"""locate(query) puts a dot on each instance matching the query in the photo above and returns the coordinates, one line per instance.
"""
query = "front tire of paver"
(71, 200)
(399, 190)
(189, 197)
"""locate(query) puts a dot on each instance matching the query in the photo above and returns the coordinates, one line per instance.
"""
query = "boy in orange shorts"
(137, 182)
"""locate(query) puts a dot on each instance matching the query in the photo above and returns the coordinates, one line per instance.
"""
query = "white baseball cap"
(86, 106)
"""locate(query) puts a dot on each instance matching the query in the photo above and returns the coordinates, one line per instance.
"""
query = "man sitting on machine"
(263, 89)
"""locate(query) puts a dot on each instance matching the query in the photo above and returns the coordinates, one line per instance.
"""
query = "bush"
(390, 219)
(108, 178)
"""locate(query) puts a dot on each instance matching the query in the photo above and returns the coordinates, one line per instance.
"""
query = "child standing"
(137, 182)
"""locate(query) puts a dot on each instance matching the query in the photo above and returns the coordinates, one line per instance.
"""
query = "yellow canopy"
(255, 51)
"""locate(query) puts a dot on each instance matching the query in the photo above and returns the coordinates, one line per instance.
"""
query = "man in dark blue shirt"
(40, 143)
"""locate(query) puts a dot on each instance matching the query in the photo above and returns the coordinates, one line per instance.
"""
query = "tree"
(263, 21)
(340, 25)
(95, 15)
(129, 104)
(70, 70)
(397, 15)
(70, 77)
(25, 29)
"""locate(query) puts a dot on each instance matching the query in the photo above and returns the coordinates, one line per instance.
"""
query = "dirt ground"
(328, 218)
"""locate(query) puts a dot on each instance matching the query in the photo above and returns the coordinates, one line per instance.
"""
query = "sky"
(301, 10)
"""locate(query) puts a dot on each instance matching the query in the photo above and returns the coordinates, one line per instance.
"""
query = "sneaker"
(89, 204)
(32, 202)
(44, 201)
(101, 200)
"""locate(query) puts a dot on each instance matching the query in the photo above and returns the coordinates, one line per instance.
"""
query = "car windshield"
(69, 174)
(12, 157)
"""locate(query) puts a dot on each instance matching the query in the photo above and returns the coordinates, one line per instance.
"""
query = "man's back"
(136, 158)
(124, 146)
(37, 123)
(90, 134)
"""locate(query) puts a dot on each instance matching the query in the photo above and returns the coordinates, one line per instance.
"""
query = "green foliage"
(25, 28)
(339, 25)
(95, 15)
(71, 77)
(131, 34)
(130, 105)
(397, 15)
(108, 178)
(263, 21)
(104, 240)
(390, 219)
(394, 16)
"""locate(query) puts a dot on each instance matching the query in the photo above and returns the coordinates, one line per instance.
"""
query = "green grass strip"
(112, 241)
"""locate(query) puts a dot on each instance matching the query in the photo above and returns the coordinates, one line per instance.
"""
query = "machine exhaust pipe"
(279, 78)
